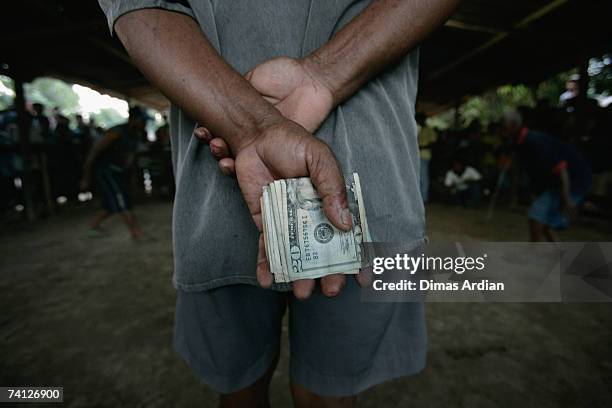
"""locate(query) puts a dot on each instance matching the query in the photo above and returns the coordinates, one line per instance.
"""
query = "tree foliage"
(486, 108)
(107, 117)
(6, 92)
(53, 93)
(600, 73)
(552, 88)
(56, 93)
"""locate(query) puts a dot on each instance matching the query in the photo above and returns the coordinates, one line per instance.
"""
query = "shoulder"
(118, 128)
(535, 136)
(114, 133)
(471, 171)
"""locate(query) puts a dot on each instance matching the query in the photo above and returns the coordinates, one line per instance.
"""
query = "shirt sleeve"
(562, 165)
(116, 8)
(471, 174)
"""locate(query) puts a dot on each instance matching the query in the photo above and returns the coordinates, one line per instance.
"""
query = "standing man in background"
(287, 89)
(109, 163)
(558, 175)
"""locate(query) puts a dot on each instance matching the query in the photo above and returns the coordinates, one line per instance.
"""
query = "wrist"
(322, 74)
(259, 126)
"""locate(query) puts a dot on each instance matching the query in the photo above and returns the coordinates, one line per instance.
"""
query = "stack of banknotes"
(301, 243)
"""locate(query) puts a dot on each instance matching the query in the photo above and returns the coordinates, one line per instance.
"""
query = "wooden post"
(46, 183)
(583, 84)
(26, 153)
(457, 117)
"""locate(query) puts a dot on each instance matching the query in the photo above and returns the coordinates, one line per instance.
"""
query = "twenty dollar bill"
(300, 242)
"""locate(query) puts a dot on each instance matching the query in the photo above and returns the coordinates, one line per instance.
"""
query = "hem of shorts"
(413, 244)
(225, 384)
(544, 221)
(226, 281)
(341, 386)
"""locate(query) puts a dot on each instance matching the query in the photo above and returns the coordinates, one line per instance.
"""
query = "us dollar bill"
(300, 241)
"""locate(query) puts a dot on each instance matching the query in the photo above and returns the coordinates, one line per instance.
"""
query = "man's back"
(351, 90)
(373, 133)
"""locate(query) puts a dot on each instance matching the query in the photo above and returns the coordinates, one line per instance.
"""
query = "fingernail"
(302, 289)
(267, 282)
(302, 294)
(332, 291)
(345, 217)
(214, 149)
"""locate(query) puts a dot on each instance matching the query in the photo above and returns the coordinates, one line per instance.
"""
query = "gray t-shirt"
(373, 133)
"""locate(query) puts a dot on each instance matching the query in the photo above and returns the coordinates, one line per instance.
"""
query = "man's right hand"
(286, 150)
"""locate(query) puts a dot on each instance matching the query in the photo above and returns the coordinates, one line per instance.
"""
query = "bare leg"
(535, 229)
(100, 217)
(302, 398)
(550, 234)
(253, 396)
(130, 220)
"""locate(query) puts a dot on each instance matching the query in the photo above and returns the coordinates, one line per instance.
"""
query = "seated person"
(463, 183)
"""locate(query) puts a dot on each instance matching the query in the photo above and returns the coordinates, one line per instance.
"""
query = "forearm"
(92, 156)
(101, 145)
(381, 35)
(173, 53)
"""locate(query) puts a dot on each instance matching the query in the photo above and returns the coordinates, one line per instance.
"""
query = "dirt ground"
(95, 316)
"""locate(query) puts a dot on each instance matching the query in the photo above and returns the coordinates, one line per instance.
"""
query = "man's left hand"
(294, 88)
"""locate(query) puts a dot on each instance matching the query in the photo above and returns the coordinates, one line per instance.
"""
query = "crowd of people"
(509, 160)
(465, 167)
(61, 158)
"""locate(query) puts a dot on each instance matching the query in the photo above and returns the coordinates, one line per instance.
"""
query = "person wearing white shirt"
(463, 183)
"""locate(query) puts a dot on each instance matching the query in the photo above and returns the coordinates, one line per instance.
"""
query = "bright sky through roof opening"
(5, 90)
(94, 101)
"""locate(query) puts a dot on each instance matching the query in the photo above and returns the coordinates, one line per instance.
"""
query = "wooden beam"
(64, 30)
(539, 13)
(23, 126)
(111, 50)
(536, 15)
(473, 27)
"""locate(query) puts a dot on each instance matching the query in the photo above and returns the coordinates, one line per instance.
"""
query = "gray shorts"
(230, 336)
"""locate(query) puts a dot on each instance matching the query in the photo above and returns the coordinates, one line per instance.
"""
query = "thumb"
(327, 178)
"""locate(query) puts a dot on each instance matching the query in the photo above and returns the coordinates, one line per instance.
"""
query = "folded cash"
(300, 242)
